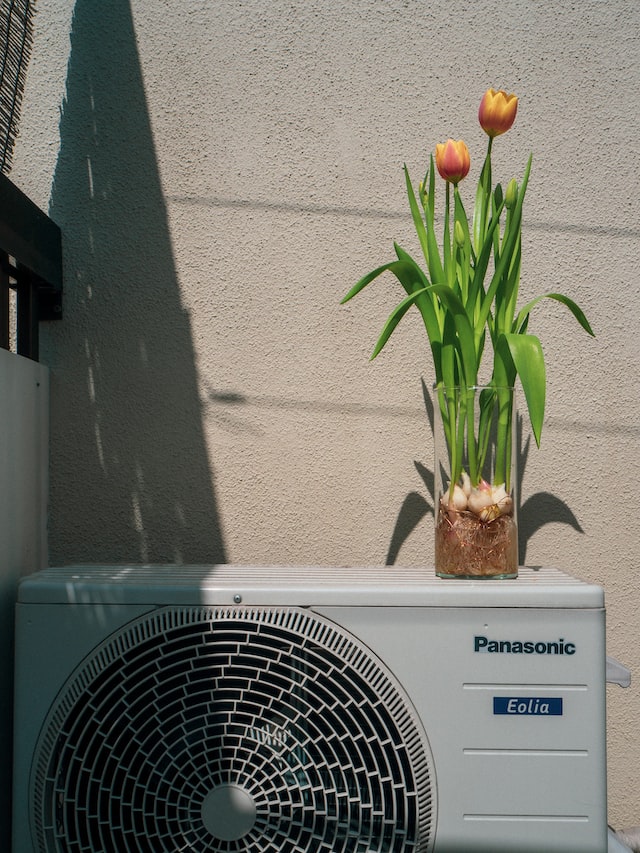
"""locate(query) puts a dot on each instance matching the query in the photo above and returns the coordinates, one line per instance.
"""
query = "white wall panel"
(24, 481)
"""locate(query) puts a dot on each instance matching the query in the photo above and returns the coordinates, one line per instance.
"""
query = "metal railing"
(30, 270)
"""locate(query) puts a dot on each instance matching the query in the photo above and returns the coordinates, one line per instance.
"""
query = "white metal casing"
(506, 678)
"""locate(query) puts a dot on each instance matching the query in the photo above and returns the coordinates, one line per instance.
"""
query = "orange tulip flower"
(452, 160)
(497, 112)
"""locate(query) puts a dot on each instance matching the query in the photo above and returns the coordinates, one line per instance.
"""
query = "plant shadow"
(131, 478)
(537, 510)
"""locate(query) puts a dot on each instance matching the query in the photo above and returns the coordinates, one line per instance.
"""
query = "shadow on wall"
(539, 509)
(129, 469)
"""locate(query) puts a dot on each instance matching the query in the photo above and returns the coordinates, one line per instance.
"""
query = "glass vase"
(476, 533)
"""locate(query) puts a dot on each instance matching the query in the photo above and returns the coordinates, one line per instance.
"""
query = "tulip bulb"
(479, 500)
(489, 502)
(499, 493)
(458, 499)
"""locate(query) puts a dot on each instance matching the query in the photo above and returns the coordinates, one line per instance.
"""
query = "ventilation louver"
(230, 729)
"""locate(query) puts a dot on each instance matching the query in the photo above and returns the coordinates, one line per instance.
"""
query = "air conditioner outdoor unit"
(307, 710)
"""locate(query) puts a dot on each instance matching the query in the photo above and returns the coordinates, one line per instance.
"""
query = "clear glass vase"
(476, 534)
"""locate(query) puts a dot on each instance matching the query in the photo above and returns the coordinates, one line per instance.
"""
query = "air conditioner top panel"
(161, 585)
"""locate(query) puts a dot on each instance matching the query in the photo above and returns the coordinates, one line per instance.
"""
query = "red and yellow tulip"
(453, 160)
(497, 112)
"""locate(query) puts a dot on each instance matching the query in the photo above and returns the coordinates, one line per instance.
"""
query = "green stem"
(485, 420)
(449, 260)
(504, 439)
(470, 408)
(483, 200)
(456, 445)
(447, 405)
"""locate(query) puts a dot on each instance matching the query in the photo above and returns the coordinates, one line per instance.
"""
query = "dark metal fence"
(30, 269)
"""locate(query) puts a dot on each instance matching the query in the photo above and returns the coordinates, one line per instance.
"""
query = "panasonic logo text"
(523, 647)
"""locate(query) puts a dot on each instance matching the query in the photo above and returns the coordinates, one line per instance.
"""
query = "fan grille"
(224, 730)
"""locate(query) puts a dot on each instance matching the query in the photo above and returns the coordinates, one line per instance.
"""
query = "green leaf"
(394, 318)
(577, 312)
(504, 378)
(482, 262)
(460, 215)
(507, 251)
(405, 269)
(504, 369)
(365, 280)
(415, 283)
(436, 270)
(464, 331)
(512, 289)
(481, 207)
(485, 419)
(412, 278)
(428, 244)
(449, 361)
(426, 234)
(528, 360)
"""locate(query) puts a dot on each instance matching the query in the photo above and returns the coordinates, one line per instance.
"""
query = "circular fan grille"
(203, 729)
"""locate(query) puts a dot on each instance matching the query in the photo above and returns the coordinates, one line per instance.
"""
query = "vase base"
(471, 549)
(477, 577)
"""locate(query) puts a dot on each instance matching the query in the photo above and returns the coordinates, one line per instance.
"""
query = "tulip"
(497, 112)
(452, 160)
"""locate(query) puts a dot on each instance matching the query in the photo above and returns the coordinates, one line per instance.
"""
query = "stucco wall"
(222, 173)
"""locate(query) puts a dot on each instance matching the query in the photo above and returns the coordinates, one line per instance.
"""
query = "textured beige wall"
(223, 172)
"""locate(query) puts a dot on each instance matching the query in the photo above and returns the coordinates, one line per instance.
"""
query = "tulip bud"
(511, 196)
(453, 160)
(497, 112)
(458, 235)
